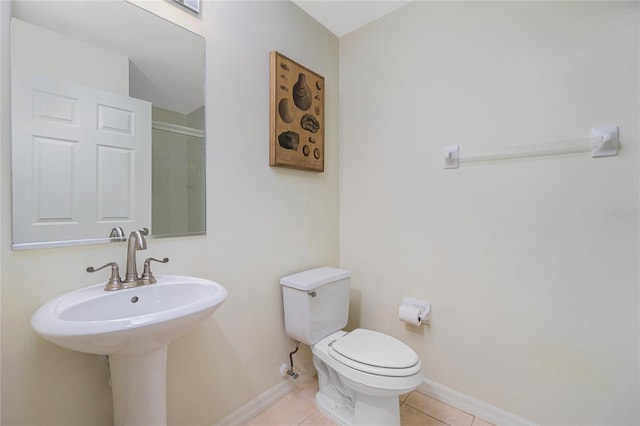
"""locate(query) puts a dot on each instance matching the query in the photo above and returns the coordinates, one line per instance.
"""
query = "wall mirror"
(107, 116)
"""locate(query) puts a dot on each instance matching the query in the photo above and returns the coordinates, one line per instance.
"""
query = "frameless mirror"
(107, 105)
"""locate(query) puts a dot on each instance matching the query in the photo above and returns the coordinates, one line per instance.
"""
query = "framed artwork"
(296, 116)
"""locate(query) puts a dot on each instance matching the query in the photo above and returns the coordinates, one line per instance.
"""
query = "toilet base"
(339, 413)
(377, 411)
(368, 410)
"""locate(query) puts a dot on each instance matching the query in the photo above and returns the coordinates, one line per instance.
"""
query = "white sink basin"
(129, 321)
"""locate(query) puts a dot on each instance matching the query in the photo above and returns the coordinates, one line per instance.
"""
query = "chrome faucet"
(136, 242)
(131, 278)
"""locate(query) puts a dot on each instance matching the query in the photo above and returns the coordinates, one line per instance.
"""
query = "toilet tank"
(316, 303)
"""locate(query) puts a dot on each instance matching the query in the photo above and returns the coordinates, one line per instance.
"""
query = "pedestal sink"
(133, 326)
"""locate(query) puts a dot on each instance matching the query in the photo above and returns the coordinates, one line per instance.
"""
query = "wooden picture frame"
(296, 115)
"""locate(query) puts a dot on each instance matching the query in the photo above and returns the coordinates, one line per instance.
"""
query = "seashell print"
(317, 97)
(284, 66)
(318, 85)
(289, 140)
(284, 77)
(316, 154)
(285, 110)
(284, 88)
(317, 110)
(310, 123)
(306, 150)
(301, 93)
(312, 139)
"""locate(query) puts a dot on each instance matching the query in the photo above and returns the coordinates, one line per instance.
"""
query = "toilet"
(361, 373)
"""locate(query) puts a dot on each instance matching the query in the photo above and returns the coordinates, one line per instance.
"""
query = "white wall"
(48, 53)
(262, 223)
(531, 265)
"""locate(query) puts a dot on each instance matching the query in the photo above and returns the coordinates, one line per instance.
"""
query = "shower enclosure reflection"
(178, 173)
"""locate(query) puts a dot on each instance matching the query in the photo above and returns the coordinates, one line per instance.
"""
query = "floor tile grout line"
(430, 416)
(473, 417)
(306, 418)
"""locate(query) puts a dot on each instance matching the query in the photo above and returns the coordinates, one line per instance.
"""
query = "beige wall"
(531, 265)
(262, 223)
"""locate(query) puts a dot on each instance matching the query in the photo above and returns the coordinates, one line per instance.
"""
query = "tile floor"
(298, 409)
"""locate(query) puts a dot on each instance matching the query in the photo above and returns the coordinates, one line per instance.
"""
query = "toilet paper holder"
(423, 309)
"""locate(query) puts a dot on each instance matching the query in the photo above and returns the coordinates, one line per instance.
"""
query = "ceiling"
(343, 16)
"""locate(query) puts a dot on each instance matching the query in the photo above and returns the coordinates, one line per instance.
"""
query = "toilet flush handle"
(311, 293)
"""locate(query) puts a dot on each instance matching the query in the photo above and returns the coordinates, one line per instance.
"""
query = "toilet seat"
(362, 381)
(375, 353)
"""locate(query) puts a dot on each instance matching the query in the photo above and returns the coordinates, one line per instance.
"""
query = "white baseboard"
(253, 408)
(471, 405)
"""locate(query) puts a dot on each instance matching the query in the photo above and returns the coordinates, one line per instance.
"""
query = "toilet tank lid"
(314, 278)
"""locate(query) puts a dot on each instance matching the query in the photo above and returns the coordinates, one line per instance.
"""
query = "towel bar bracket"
(609, 145)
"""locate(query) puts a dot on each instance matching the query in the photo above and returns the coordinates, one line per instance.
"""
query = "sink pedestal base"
(139, 387)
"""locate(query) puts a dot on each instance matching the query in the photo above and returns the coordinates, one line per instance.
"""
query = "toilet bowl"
(361, 373)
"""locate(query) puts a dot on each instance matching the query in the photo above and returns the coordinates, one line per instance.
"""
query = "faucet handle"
(114, 282)
(147, 276)
(144, 231)
(117, 234)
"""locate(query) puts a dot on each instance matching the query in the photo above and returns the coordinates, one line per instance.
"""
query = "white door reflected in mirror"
(85, 156)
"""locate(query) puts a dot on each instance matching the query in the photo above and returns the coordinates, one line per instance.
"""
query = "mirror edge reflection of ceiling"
(162, 52)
